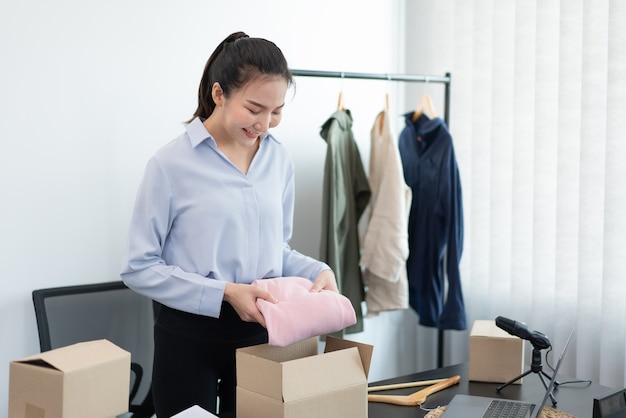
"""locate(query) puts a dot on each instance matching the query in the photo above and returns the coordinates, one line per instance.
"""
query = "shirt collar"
(198, 133)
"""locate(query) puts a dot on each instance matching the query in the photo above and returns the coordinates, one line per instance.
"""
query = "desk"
(576, 399)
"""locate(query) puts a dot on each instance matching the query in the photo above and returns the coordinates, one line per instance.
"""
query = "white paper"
(194, 412)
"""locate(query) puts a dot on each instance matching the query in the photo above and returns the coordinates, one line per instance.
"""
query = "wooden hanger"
(404, 385)
(340, 102)
(425, 105)
(381, 115)
(340, 105)
(416, 398)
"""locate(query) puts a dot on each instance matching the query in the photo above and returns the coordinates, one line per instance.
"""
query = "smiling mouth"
(251, 134)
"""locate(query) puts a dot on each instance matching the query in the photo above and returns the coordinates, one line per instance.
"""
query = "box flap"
(32, 386)
(259, 374)
(365, 350)
(304, 348)
(326, 373)
(488, 328)
(77, 356)
(259, 367)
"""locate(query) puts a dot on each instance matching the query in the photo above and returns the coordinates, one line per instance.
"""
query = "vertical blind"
(539, 122)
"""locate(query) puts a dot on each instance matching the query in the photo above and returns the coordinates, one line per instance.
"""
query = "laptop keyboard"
(505, 409)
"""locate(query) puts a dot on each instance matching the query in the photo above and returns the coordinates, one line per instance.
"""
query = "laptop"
(472, 406)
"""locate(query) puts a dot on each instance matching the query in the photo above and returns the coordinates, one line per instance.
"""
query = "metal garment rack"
(415, 78)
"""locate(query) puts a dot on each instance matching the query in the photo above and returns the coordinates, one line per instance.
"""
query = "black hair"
(237, 60)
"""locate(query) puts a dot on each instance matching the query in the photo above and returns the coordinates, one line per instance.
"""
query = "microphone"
(519, 329)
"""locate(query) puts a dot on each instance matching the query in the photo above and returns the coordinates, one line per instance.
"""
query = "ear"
(217, 93)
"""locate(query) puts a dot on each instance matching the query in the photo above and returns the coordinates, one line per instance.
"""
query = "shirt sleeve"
(143, 268)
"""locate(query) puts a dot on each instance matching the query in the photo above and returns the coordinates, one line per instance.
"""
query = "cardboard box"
(494, 354)
(297, 382)
(90, 379)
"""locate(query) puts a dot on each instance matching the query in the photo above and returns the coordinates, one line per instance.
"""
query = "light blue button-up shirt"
(199, 223)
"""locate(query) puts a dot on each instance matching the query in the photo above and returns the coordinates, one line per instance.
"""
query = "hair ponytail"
(237, 60)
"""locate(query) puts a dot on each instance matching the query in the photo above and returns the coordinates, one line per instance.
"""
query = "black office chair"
(71, 314)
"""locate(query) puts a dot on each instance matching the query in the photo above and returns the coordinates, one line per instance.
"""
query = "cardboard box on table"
(494, 354)
(297, 382)
(89, 379)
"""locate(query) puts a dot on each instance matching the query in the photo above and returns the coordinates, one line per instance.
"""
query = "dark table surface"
(575, 399)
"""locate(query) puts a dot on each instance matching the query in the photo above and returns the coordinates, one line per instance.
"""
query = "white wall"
(89, 90)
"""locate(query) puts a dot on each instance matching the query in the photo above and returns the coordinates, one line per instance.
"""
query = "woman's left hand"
(325, 281)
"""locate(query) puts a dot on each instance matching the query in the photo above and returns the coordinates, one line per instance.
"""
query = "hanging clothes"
(345, 195)
(435, 222)
(384, 225)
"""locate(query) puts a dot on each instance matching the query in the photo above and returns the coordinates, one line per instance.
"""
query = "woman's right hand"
(242, 297)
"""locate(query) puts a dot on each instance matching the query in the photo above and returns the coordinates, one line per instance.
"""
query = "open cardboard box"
(494, 355)
(89, 379)
(297, 382)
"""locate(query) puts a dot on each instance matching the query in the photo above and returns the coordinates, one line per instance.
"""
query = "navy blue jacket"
(435, 222)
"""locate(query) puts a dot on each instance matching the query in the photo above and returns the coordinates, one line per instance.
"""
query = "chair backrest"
(71, 314)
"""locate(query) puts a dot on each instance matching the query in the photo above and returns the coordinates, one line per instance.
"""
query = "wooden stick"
(404, 385)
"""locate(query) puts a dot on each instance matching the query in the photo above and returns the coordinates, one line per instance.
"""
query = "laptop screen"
(553, 380)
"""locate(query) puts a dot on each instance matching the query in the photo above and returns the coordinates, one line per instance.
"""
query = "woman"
(214, 212)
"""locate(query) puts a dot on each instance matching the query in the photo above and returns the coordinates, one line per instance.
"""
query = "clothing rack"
(446, 79)
(415, 78)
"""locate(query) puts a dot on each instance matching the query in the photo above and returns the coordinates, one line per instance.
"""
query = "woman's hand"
(325, 281)
(242, 297)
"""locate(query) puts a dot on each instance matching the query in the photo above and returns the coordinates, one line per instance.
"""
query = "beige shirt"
(384, 225)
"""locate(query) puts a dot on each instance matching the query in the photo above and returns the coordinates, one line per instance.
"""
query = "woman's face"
(252, 110)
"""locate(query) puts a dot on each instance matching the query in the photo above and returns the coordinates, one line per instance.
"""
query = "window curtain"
(538, 116)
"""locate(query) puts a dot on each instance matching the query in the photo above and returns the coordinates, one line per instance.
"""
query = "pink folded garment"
(300, 314)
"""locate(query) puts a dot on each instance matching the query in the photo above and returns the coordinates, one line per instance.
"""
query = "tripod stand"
(535, 367)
